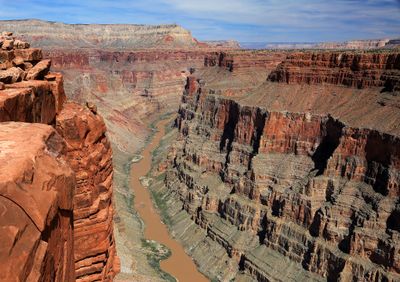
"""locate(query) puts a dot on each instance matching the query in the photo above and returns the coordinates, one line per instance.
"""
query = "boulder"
(19, 44)
(18, 61)
(6, 33)
(8, 44)
(39, 70)
(11, 75)
(30, 55)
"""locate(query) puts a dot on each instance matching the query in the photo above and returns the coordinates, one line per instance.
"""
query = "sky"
(241, 20)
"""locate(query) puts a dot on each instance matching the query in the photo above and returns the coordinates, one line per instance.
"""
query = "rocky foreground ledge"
(55, 176)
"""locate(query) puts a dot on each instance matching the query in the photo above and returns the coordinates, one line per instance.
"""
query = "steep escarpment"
(242, 61)
(121, 36)
(351, 69)
(56, 176)
(89, 154)
(265, 183)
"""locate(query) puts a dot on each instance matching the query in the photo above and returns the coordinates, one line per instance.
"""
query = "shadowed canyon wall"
(56, 176)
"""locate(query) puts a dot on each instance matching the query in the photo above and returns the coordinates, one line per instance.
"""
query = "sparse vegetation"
(156, 253)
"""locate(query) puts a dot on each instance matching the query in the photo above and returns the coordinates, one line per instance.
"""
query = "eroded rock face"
(90, 156)
(269, 186)
(36, 192)
(351, 69)
(147, 83)
(109, 36)
(56, 192)
(18, 62)
(242, 61)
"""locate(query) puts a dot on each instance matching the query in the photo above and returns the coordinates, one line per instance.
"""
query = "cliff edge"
(55, 176)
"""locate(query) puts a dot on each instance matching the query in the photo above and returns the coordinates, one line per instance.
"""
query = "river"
(179, 264)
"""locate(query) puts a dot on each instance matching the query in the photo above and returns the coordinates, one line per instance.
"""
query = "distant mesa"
(345, 45)
(226, 44)
(46, 34)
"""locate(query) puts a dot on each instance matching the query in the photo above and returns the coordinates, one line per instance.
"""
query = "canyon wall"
(271, 184)
(56, 176)
(242, 61)
(89, 154)
(131, 89)
(359, 70)
(46, 34)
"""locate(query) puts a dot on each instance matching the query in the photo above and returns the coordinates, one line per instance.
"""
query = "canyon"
(277, 158)
(301, 171)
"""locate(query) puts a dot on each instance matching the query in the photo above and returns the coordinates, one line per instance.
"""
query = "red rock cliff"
(89, 154)
(55, 183)
(36, 191)
(360, 70)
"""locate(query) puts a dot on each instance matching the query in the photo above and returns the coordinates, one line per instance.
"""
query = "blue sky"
(242, 20)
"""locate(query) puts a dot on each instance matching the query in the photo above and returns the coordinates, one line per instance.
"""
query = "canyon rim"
(135, 152)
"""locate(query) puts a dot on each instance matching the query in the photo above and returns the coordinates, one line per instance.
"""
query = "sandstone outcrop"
(89, 154)
(36, 191)
(55, 178)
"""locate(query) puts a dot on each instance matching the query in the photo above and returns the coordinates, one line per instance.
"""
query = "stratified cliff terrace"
(297, 178)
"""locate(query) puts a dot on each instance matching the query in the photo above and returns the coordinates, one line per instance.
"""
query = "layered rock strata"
(56, 176)
(89, 154)
(242, 61)
(129, 88)
(361, 70)
(127, 36)
(274, 188)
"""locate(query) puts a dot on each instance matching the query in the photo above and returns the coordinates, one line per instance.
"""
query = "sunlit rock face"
(89, 154)
(36, 188)
(361, 70)
(55, 176)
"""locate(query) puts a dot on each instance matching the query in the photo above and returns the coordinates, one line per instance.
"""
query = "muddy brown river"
(179, 264)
